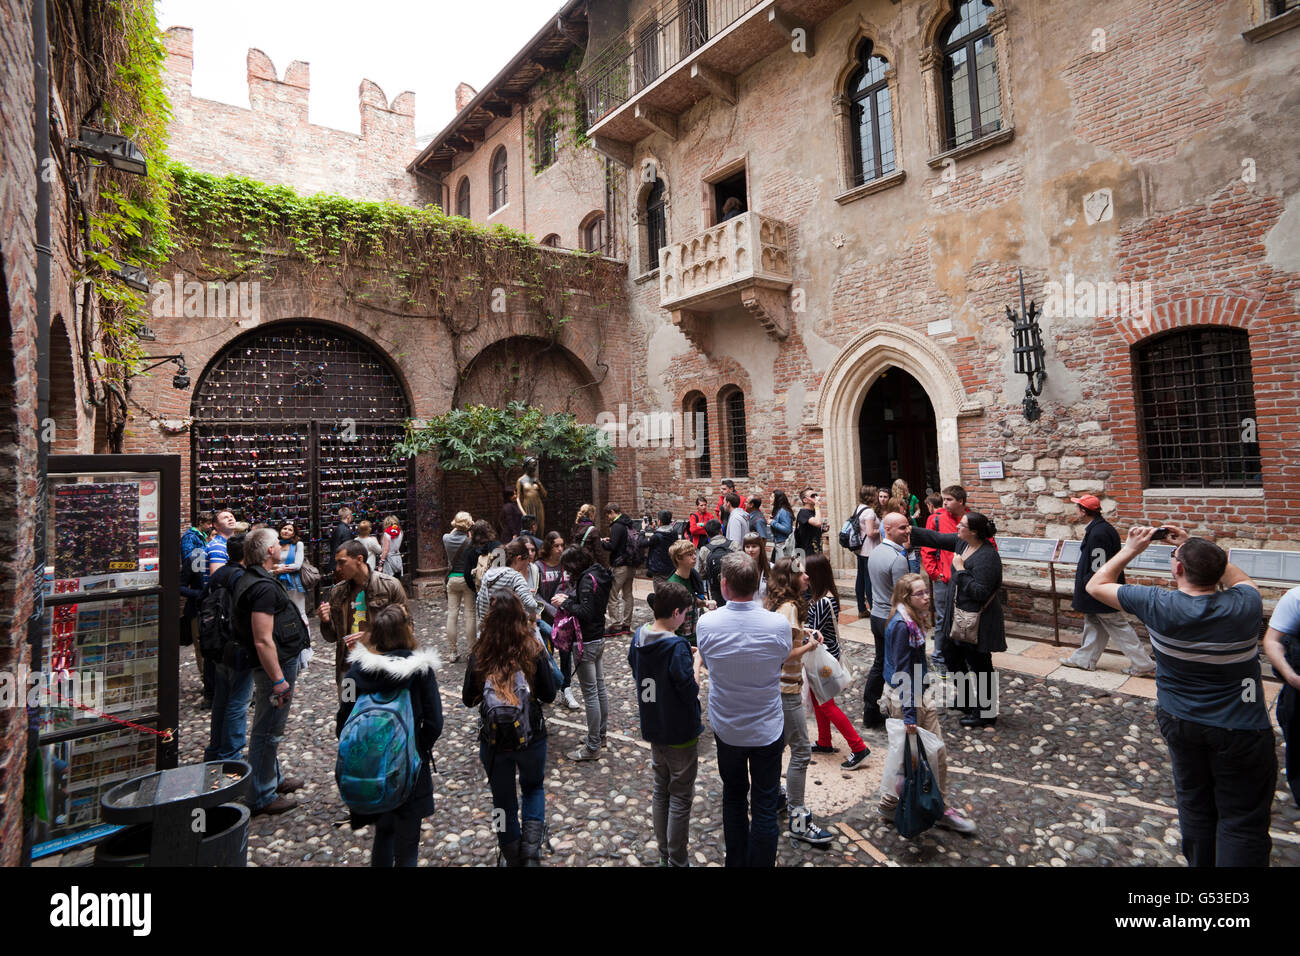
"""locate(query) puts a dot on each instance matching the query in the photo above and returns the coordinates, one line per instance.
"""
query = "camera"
(1160, 534)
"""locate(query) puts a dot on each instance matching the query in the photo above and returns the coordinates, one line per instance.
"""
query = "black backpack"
(217, 616)
(713, 570)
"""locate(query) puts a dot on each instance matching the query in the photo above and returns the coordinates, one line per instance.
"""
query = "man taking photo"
(1209, 700)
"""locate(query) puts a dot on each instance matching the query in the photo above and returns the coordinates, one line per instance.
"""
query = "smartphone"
(1160, 535)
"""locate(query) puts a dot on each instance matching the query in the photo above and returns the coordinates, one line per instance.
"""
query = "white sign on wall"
(991, 469)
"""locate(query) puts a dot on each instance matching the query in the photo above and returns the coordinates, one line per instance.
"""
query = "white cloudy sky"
(426, 47)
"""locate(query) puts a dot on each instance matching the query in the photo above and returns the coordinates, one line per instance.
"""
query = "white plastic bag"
(826, 676)
(891, 778)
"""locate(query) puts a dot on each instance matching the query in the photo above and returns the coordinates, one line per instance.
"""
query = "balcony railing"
(746, 251)
(652, 47)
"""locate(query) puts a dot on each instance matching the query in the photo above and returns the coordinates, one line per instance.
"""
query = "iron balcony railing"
(653, 46)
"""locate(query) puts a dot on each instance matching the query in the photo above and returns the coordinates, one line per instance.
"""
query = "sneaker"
(1145, 672)
(1071, 662)
(886, 813)
(454, 659)
(857, 761)
(582, 753)
(570, 701)
(938, 666)
(819, 749)
(953, 819)
(290, 784)
(604, 743)
(278, 805)
(803, 830)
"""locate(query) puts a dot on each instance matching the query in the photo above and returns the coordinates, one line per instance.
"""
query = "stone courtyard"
(1075, 773)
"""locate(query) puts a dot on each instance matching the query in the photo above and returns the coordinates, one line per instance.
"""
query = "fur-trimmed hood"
(398, 666)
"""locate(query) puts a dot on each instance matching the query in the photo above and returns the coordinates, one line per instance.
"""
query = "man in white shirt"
(743, 647)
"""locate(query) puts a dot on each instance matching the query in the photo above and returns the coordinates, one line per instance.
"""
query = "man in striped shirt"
(1209, 699)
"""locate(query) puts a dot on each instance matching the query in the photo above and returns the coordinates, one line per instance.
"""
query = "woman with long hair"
(387, 660)
(785, 596)
(782, 525)
(823, 617)
(585, 593)
(292, 554)
(911, 503)
(509, 662)
(550, 575)
(456, 543)
(904, 698)
(585, 535)
(754, 546)
(976, 581)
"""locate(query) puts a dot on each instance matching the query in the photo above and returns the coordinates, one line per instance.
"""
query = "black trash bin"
(181, 817)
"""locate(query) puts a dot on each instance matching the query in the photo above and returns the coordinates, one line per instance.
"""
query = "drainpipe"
(523, 167)
(41, 124)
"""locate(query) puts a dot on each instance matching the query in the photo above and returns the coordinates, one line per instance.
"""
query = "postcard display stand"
(109, 651)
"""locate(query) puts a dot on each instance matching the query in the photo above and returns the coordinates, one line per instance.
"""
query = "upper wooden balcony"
(668, 61)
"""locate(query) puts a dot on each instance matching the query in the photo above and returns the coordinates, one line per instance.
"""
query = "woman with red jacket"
(699, 518)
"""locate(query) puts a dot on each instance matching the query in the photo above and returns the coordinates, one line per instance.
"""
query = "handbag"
(966, 624)
(825, 677)
(921, 803)
(309, 575)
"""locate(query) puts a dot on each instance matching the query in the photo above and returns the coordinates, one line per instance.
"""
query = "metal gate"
(294, 422)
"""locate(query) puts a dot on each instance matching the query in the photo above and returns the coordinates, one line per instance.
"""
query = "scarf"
(915, 636)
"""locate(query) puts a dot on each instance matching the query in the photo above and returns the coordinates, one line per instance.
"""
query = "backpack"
(496, 558)
(680, 528)
(217, 617)
(506, 726)
(635, 548)
(713, 569)
(378, 760)
(851, 533)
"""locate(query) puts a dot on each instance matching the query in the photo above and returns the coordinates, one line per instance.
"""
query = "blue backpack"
(378, 757)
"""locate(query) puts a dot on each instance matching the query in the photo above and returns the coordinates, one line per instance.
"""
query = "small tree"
(482, 440)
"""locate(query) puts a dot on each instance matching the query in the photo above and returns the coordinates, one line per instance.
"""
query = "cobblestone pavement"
(1071, 775)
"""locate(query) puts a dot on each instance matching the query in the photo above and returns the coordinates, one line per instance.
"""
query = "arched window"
(593, 233)
(655, 217)
(733, 409)
(1196, 400)
(547, 141)
(971, 106)
(499, 192)
(553, 240)
(871, 117)
(697, 426)
(462, 197)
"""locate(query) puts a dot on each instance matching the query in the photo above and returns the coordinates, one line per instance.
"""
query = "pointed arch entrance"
(843, 397)
(295, 420)
(898, 435)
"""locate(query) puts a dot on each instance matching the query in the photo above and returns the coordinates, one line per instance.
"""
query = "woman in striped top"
(823, 615)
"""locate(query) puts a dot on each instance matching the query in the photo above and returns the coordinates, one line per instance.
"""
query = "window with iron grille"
(970, 74)
(647, 55)
(872, 117)
(1279, 7)
(695, 24)
(462, 198)
(656, 222)
(699, 412)
(499, 193)
(548, 141)
(1197, 404)
(736, 434)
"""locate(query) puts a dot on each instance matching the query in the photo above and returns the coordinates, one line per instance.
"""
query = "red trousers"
(830, 713)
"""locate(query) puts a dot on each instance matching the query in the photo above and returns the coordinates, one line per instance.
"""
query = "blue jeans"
(500, 767)
(231, 692)
(862, 587)
(942, 619)
(744, 769)
(268, 730)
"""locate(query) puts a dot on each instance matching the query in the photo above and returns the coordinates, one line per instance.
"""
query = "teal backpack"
(378, 757)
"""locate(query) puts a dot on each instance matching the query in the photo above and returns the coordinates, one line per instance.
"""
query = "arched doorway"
(547, 376)
(898, 435)
(296, 420)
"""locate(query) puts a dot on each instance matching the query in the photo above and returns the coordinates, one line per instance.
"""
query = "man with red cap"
(1101, 623)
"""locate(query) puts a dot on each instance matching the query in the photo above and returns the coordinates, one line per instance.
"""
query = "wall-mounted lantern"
(1027, 346)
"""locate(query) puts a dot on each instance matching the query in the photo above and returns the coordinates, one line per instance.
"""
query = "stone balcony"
(743, 262)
